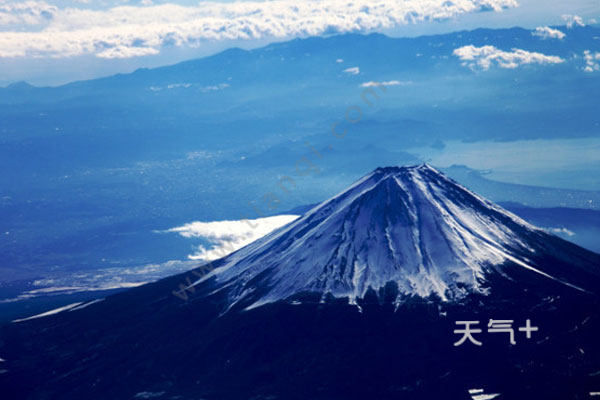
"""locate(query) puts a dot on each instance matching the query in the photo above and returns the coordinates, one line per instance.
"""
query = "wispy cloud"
(226, 237)
(558, 231)
(352, 71)
(592, 61)
(127, 52)
(545, 32)
(39, 29)
(386, 83)
(573, 20)
(486, 56)
(203, 89)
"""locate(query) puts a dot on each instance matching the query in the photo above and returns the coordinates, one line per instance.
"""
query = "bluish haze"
(99, 172)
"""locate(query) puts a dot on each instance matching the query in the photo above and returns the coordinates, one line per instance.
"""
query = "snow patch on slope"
(51, 312)
(478, 394)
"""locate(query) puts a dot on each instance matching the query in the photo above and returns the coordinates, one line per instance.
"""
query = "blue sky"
(52, 42)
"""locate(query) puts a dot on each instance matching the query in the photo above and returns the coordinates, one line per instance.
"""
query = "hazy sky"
(54, 41)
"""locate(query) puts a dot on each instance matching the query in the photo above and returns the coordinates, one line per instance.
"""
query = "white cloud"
(563, 231)
(545, 32)
(179, 85)
(592, 61)
(64, 32)
(487, 56)
(339, 60)
(352, 71)
(226, 237)
(213, 88)
(13, 13)
(127, 52)
(203, 89)
(386, 83)
(573, 20)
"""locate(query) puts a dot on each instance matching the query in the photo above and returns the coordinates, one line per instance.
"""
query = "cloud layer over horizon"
(39, 29)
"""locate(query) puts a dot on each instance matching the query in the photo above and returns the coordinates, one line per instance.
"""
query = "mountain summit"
(411, 230)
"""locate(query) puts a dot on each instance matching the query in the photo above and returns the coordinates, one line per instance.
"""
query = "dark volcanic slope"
(316, 344)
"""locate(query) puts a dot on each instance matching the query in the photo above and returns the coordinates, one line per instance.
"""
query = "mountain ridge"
(478, 36)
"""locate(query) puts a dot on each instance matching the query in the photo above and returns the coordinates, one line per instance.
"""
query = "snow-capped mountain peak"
(408, 226)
